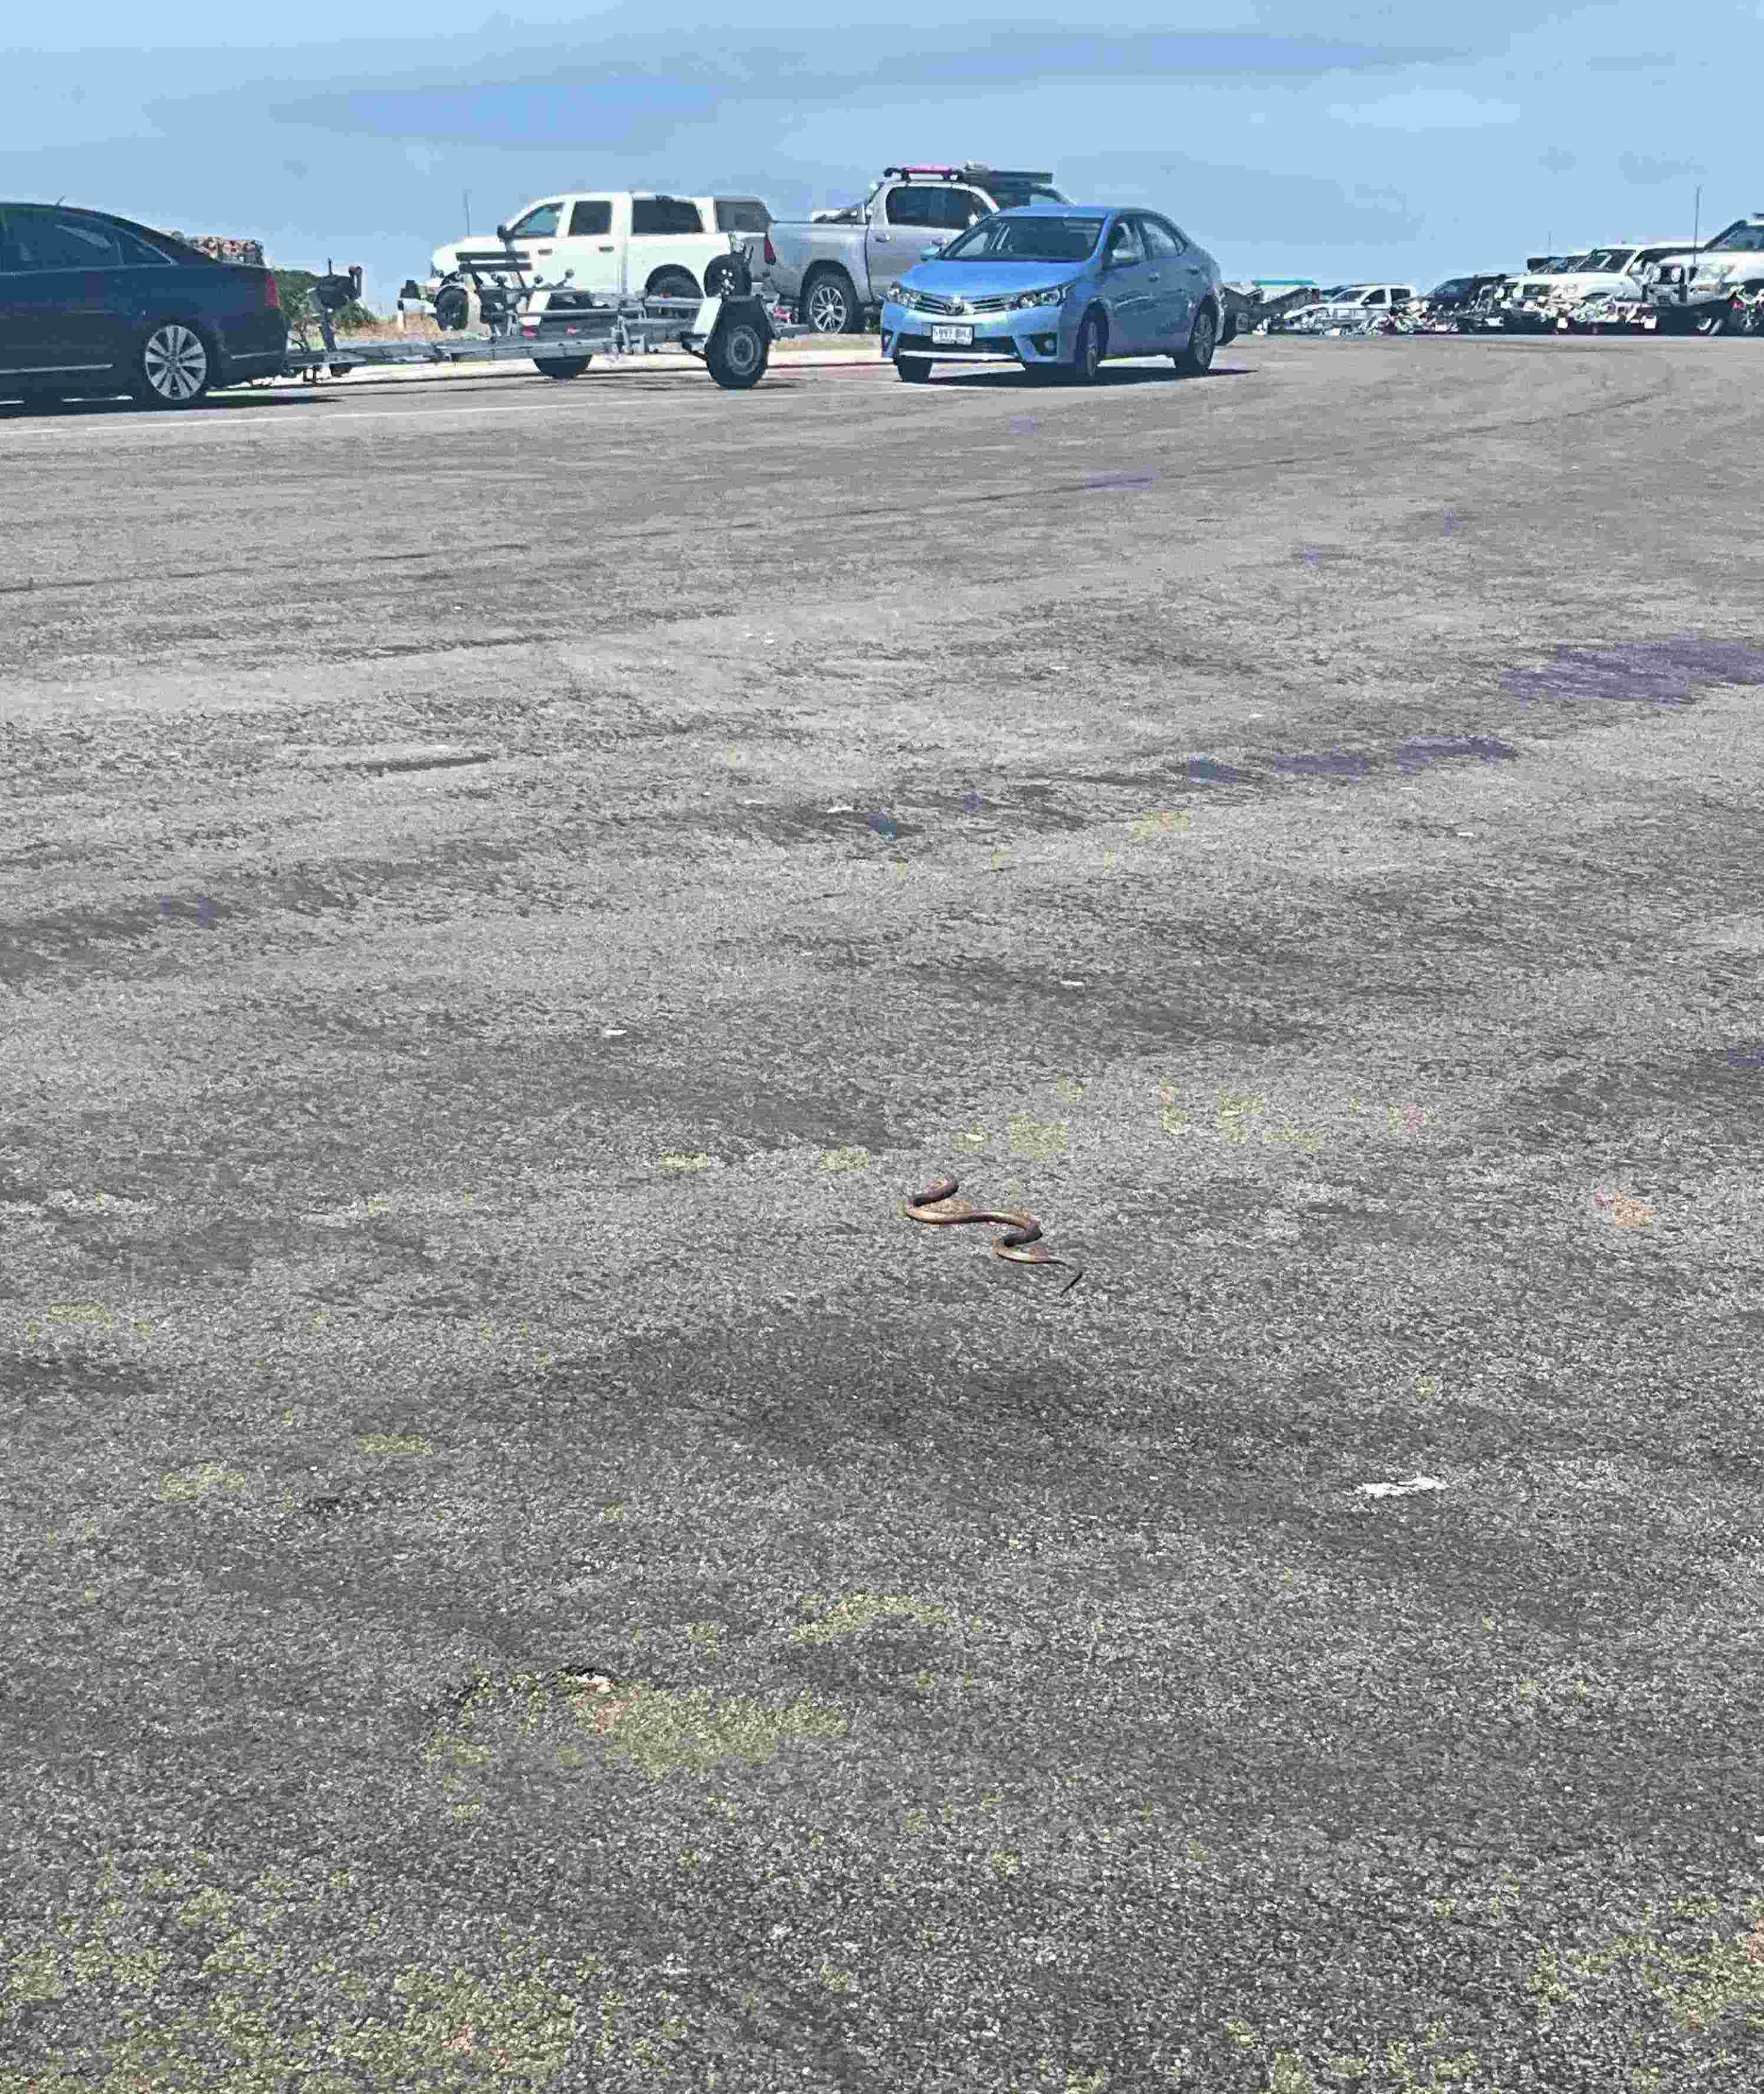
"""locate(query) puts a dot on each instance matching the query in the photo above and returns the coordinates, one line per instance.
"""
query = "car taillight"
(272, 298)
(772, 254)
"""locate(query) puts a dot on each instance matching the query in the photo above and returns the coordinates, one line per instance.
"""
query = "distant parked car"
(90, 303)
(1713, 289)
(1057, 288)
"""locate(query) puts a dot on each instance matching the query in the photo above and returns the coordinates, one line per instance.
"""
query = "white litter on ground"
(1402, 1490)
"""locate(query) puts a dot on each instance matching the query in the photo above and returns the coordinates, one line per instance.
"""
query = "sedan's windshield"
(1738, 239)
(1035, 239)
(1607, 261)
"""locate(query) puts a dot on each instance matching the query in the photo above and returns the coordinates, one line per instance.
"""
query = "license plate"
(952, 337)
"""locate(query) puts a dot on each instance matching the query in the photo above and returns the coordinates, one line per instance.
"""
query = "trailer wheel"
(563, 366)
(453, 308)
(728, 276)
(737, 356)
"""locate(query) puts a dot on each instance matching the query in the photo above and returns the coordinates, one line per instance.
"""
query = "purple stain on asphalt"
(1024, 425)
(885, 825)
(165, 907)
(1453, 525)
(971, 803)
(206, 911)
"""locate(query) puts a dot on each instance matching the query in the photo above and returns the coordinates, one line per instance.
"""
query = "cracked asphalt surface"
(524, 1569)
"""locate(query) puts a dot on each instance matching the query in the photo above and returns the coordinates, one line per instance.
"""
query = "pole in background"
(467, 198)
(1697, 218)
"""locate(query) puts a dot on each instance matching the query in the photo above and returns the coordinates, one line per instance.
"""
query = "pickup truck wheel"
(1087, 352)
(563, 366)
(673, 284)
(915, 369)
(452, 307)
(1726, 318)
(737, 356)
(830, 305)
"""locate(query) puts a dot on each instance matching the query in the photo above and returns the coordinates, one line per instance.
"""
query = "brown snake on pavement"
(1021, 1242)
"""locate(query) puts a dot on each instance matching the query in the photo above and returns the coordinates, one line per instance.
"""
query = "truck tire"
(829, 304)
(453, 308)
(915, 369)
(562, 367)
(673, 284)
(1728, 318)
(737, 353)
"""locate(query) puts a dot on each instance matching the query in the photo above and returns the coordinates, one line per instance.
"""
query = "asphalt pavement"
(526, 1568)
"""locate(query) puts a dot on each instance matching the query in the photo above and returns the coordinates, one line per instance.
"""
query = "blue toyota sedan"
(1057, 288)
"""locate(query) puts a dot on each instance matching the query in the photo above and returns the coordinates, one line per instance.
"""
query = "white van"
(622, 242)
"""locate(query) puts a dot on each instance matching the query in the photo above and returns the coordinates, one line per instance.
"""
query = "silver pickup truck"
(837, 270)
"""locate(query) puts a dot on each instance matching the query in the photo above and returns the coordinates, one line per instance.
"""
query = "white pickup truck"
(837, 269)
(619, 243)
(1714, 288)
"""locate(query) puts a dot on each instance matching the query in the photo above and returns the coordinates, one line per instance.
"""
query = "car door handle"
(607, 249)
(541, 250)
(1153, 278)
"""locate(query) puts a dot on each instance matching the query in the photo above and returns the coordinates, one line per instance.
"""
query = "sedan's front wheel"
(1087, 353)
(173, 368)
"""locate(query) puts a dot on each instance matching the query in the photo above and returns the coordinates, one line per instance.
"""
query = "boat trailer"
(561, 330)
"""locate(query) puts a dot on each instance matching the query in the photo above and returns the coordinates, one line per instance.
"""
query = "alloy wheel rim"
(1204, 347)
(1092, 349)
(826, 308)
(742, 348)
(175, 363)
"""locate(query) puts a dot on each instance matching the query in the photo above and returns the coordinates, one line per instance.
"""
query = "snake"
(939, 1208)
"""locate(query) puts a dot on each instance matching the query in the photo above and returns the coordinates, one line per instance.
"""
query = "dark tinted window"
(938, 209)
(1159, 239)
(586, 219)
(742, 215)
(652, 214)
(54, 240)
(138, 253)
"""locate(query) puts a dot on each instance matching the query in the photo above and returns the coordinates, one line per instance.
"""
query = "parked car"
(1713, 290)
(1523, 307)
(838, 270)
(1456, 294)
(91, 303)
(1057, 288)
(1619, 267)
(619, 243)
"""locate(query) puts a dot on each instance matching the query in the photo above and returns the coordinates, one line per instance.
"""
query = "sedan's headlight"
(906, 300)
(1055, 295)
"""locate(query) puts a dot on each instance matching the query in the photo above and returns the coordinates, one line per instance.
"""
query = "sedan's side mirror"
(929, 254)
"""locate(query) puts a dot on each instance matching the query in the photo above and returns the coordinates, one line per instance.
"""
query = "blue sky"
(1391, 138)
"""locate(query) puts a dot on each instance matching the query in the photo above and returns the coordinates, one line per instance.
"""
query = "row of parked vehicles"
(967, 264)
(1661, 286)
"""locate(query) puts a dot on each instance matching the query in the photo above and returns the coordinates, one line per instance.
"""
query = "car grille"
(928, 301)
(1533, 290)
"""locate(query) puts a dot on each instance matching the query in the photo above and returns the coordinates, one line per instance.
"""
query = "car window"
(1373, 298)
(914, 204)
(742, 215)
(1125, 245)
(1159, 239)
(1743, 238)
(1034, 239)
(965, 209)
(590, 218)
(539, 224)
(664, 214)
(55, 240)
(136, 254)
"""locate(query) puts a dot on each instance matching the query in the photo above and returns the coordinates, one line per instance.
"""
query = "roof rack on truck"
(973, 171)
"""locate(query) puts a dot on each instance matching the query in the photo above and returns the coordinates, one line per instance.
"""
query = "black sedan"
(92, 304)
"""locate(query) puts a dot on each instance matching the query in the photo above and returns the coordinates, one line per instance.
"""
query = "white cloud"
(1426, 109)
